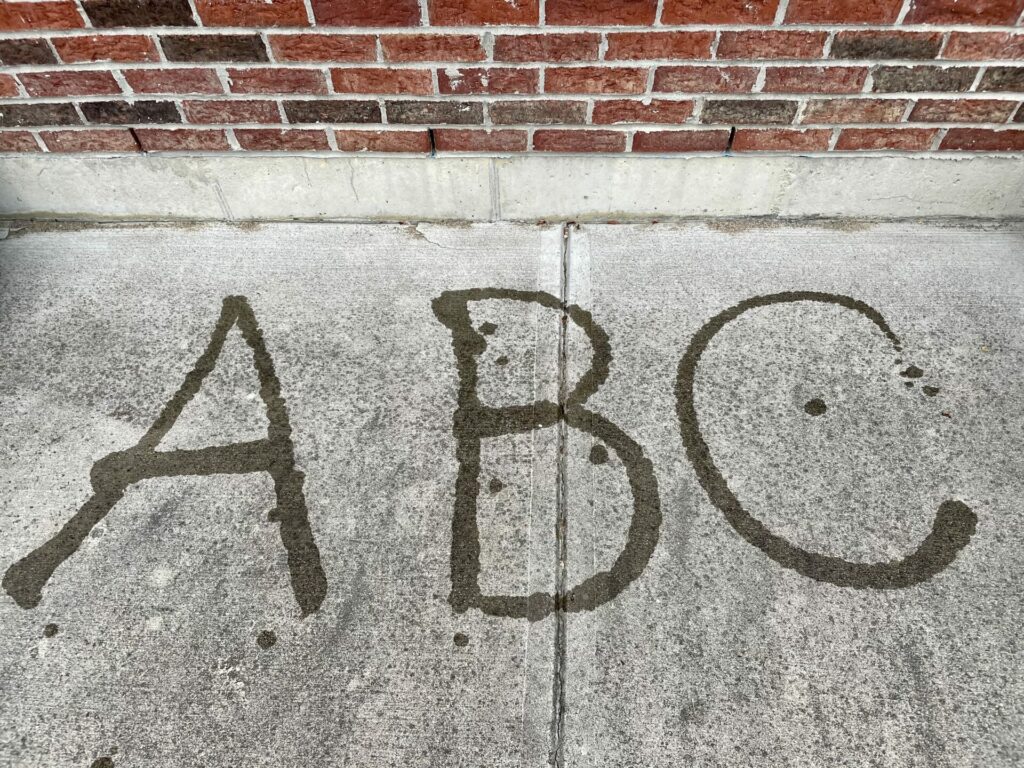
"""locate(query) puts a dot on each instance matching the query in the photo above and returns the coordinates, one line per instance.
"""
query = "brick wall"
(505, 76)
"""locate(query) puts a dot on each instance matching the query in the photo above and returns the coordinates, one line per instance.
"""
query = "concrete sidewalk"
(500, 495)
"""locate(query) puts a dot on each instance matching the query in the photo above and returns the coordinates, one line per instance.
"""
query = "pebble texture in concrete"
(731, 495)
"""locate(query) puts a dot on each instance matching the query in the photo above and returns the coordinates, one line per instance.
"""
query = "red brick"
(814, 79)
(659, 45)
(383, 141)
(288, 139)
(547, 48)
(636, 111)
(181, 81)
(488, 80)
(555, 140)
(58, 15)
(705, 79)
(906, 139)
(964, 12)
(18, 141)
(459, 140)
(962, 111)
(323, 47)
(680, 141)
(8, 86)
(432, 48)
(980, 46)
(277, 81)
(252, 13)
(984, 140)
(182, 140)
(381, 80)
(719, 11)
(471, 13)
(69, 83)
(835, 111)
(781, 140)
(106, 48)
(229, 111)
(764, 44)
(366, 13)
(115, 140)
(595, 80)
(843, 11)
(584, 13)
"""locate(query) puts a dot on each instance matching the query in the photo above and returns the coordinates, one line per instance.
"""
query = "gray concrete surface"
(266, 186)
(709, 514)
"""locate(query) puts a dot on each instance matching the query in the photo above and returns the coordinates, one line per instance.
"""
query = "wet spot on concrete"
(266, 639)
(908, 384)
(495, 485)
(488, 328)
(912, 372)
(930, 391)
(598, 455)
(50, 630)
(102, 762)
(815, 407)
(461, 639)
(503, 360)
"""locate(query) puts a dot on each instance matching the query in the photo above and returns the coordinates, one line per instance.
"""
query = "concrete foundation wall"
(281, 187)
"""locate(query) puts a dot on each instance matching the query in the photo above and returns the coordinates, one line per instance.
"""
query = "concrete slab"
(361, 495)
(793, 443)
(181, 625)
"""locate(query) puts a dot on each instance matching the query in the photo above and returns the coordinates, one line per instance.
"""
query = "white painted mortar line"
(232, 139)
(714, 45)
(904, 10)
(780, 14)
(658, 11)
(939, 136)
(977, 79)
(195, 14)
(309, 12)
(39, 141)
(827, 50)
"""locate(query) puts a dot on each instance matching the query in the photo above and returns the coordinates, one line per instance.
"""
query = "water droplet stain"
(912, 372)
(815, 407)
(598, 455)
(266, 639)
(503, 360)
(488, 328)
(102, 762)
(930, 391)
(50, 630)
(461, 639)
(495, 485)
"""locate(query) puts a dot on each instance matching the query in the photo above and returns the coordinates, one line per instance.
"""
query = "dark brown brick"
(367, 13)
(176, 81)
(538, 112)
(17, 141)
(547, 48)
(470, 140)
(383, 141)
(1002, 79)
(36, 51)
(835, 111)
(889, 79)
(213, 48)
(719, 11)
(636, 111)
(964, 11)
(771, 44)
(435, 112)
(886, 45)
(128, 112)
(472, 13)
(749, 112)
(1019, 117)
(182, 140)
(962, 111)
(585, 13)
(563, 140)
(37, 114)
(326, 111)
(900, 139)
(271, 139)
(116, 140)
(463, 80)
(984, 140)
(680, 141)
(217, 111)
(139, 13)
